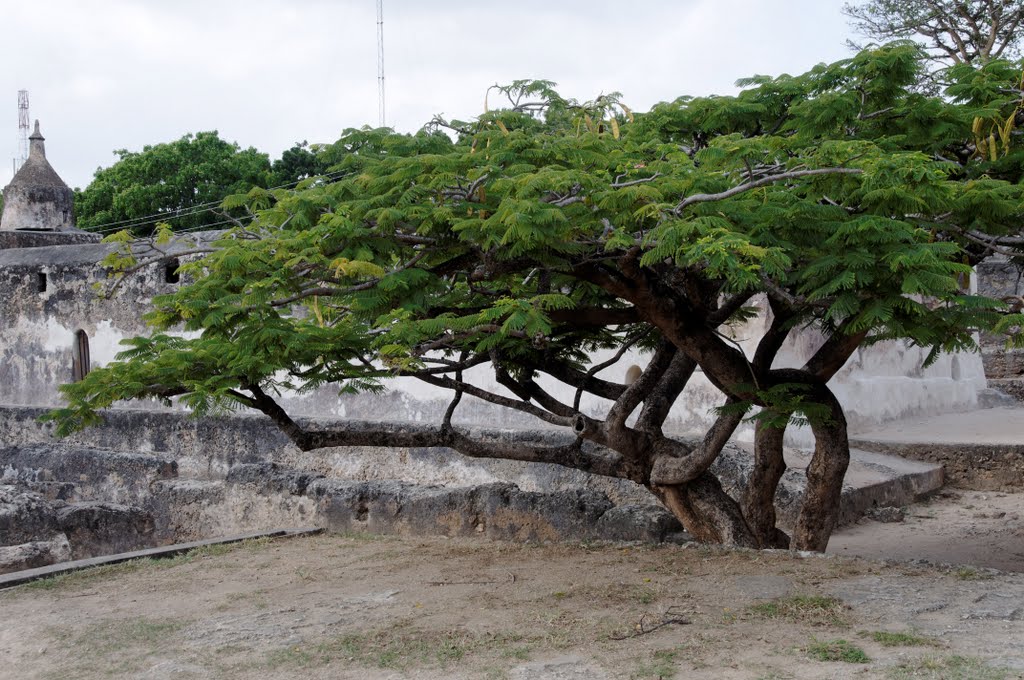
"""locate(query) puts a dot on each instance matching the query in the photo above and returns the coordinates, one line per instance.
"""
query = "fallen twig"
(511, 579)
(669, 618)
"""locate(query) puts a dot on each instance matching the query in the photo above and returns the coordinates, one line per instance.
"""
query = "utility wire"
(197, 209)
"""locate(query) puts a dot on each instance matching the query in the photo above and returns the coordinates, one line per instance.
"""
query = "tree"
(952, 31)
(552, 229)
(300, 162)
(181, 182)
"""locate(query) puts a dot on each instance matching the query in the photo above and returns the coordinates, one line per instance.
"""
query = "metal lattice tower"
(380, 61)
(22, 129)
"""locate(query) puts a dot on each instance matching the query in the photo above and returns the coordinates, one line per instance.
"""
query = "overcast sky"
(112, 74)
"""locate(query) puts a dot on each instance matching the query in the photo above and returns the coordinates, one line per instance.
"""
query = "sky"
(120, 74)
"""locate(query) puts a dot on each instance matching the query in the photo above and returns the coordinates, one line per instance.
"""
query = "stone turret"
(37, 199)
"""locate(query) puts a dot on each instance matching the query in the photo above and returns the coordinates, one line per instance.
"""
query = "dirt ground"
(976, 528)
(335, 606)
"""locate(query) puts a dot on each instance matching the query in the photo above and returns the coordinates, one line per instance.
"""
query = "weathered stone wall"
(40, 239)
(998, 277)
(46, 295)
(29, 207)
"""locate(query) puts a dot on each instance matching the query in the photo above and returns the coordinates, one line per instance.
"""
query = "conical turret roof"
(37, 171)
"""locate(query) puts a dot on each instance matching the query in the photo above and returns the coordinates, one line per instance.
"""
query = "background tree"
(951, 31)
(181, 182)
(300, 162)
(553, 229)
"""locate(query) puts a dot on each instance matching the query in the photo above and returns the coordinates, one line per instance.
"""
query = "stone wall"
(998, 277)
(40, 239)
(48, 296)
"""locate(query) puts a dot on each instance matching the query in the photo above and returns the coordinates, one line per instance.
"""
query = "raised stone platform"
(982, 450)
(199, 478)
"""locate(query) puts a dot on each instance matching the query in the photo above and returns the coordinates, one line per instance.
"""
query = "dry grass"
(814, 610)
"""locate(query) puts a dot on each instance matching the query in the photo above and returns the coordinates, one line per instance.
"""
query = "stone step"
(91, 528)
(95, 473)
(28, 575)
(34, 554)
(500, 510)
(1013, 387)
(981, 450)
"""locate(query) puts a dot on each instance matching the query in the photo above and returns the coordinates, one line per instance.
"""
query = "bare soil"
(336, 606)
(972, 528)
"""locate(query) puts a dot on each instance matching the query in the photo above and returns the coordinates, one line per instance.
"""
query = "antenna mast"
(380, 61)
(22, 130)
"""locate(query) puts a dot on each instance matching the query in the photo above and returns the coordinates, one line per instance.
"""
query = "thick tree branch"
(764, 181)
(662, 398)
(641, 388)
(574, 454)
(670, 470)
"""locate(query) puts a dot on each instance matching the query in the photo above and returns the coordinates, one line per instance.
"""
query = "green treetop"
(183, 182)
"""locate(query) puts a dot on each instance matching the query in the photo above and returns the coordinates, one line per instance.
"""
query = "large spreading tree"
(552, 231)
(950, 31)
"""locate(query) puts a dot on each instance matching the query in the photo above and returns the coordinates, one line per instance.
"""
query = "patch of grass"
(398, 648)
(837, 650)
(645, 595)
(970, 574)
(115, 647)
(889, 639)
(88, 576)
(611, 593)
(815, 610)
(946, 668)
(110, 635)
(661, 664)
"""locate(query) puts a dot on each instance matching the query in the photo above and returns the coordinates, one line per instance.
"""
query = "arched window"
(80, 356)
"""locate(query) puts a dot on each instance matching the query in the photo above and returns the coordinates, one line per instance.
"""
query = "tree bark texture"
(707, 512)
(820, 509)
(759, 495)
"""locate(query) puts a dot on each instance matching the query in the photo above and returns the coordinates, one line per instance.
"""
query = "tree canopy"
(550, 229)
(952, 31)
(184, 181)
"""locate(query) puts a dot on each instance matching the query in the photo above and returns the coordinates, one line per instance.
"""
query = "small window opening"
(171, 272)
(41, 282)
(80, 356)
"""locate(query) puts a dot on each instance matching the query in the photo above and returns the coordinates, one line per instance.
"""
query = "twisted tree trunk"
(820, 509)
(758, 500)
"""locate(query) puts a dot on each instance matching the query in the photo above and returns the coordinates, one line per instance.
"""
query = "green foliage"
(843, 193)
(173, 180)
(890, 639)
(837, 650)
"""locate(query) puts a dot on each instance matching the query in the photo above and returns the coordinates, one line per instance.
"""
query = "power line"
(198, 209)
